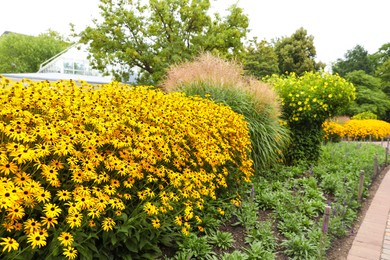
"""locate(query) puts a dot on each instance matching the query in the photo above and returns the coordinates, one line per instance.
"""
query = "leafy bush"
(307, 101)
(223, 82)
(111, 171)
(365, 115)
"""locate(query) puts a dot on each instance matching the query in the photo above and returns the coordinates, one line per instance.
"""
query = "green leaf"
(132, 247)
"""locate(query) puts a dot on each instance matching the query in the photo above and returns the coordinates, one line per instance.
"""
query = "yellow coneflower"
(70, 252)
(9, 244)
(66, 239)
(36, 239)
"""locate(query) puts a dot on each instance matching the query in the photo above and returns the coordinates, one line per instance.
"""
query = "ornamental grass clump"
(104, 172)
(224, 82)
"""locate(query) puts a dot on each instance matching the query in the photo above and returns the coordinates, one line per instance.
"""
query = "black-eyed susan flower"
(49, 221)
(15, 212)
(52, 210)
(64, 195)
(8, 167)
(43, 196)
(108, 224)
(74, 220)
(31, 225)
(70, 252)
(156, 223)
(36, 239)
(65, 238)
(9, 244)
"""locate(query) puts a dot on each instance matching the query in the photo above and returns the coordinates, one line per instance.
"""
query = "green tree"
(355, 59)
(261, 59)
(297, 53)
(369, 95)
(382, 68)
(23, 53)
(152, 36)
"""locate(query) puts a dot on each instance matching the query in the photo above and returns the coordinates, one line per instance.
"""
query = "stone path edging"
(372, 242)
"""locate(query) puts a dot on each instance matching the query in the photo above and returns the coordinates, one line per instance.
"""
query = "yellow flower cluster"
(332, 129)
(76, 157)
(358, 129)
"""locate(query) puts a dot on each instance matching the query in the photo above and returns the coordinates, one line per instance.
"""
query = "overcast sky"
(337, 25)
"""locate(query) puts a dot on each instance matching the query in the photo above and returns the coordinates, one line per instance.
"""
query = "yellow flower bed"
(358, 129)
(77, 158)
(365, 128)
(332, 129)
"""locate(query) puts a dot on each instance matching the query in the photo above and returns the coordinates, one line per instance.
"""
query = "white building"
(71, 63)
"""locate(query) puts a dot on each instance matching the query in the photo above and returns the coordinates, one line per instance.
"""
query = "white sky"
(337, 25)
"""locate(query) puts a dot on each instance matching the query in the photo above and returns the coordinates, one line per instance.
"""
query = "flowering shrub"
(85, 168)
(307, 101)
(358, 129)
(313, 97)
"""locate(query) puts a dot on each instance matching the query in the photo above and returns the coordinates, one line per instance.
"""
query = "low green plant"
(223, 240)
(263, 233)
(235, 255)
(194, 246)
(247, 214)
(258, 251)
(300, 247)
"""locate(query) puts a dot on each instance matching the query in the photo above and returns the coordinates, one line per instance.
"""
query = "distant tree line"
(24, 53)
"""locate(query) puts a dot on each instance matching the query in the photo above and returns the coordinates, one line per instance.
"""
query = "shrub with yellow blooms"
(307, 101)
(104, 170)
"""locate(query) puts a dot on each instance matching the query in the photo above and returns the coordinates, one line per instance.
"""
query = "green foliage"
(235, 255)
(382, 63)
(262, 232)
(261, 59)
(300, 247)
(355, 59)
(194, 246)
(364, 115)
(23, 53)
(369, 95)
(152, 35)
(246, 215)
(257, 251)
(307, 101)
(222, 239)
(296, 53)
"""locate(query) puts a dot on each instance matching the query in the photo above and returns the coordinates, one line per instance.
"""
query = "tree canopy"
(23, 53)
(369, 95)
(149, 36)
(261, 59)
(355, 59)
(296, 53)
